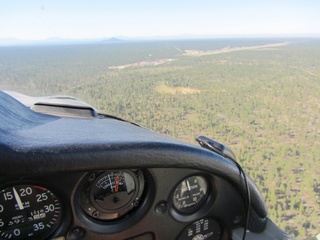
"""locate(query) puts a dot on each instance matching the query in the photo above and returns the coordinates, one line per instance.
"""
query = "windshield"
(243, 72)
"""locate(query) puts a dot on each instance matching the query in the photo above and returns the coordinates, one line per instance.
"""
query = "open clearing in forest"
(143, 64)
(163, 88)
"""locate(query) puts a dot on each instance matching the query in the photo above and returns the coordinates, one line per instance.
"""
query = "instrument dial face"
(28, 212)
(112, 194)
(190, 194)
(206, 228)
(113, 190)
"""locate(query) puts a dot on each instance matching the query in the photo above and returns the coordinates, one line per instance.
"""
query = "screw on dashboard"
(95, 213)
(77, 233)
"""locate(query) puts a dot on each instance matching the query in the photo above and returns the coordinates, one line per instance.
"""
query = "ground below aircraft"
(70, 172)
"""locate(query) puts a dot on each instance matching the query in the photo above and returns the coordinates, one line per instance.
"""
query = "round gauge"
(190, 194)
(28, 212)
(113, 194)
(206, 228)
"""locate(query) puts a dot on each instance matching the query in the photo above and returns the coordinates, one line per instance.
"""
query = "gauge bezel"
(59, 226)
(107, 214)
(190, 231)
(114, 225)
(192, 208)
(198, 211)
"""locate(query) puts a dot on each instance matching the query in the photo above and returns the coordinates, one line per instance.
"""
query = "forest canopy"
(259, 96)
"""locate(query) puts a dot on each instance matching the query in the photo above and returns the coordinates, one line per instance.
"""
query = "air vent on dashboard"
(64, 111)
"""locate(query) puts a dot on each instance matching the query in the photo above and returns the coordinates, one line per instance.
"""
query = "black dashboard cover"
(34, 144)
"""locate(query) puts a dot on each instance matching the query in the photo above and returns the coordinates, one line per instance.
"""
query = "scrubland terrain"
(262, 101)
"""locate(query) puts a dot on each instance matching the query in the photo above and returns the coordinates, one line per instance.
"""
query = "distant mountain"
(113, 40)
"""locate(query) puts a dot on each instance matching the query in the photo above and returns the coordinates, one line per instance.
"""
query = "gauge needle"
(117, 183)
(188, 185)
(110, 183)
(18, 199)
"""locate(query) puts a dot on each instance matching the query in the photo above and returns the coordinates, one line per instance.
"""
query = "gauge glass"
(112, 194)
(28, 212)
(206, 228)
(113, 190)
(190, 194)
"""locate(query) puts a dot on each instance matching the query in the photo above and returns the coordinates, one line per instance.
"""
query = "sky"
(78, 19)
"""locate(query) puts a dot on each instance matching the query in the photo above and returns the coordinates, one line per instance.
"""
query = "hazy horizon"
(37, 20)
(122, 39)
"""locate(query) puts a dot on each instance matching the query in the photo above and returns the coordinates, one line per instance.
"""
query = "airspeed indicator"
(28, 212)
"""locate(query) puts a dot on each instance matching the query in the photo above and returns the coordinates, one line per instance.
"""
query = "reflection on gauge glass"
(28, 212)
(190, 194)
(113, 194)
(113, 190)
(206, 228)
